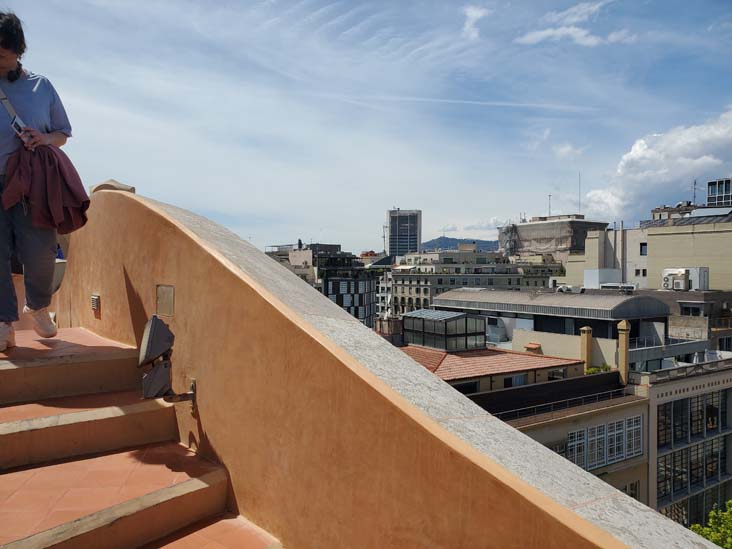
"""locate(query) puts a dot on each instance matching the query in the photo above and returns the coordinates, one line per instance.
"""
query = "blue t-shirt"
(38, 106)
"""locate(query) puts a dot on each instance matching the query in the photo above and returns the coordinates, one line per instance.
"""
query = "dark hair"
(13, 39)
(11, 33)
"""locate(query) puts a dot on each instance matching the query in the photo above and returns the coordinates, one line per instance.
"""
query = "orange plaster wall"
(320, 452)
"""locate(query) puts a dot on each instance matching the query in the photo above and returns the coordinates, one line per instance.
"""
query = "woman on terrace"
(41, 120)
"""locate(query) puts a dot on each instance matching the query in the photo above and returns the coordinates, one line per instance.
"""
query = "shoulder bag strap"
(7, 104)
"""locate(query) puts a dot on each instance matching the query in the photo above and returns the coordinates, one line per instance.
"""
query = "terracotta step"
(123, 499)
(75, 362)
(228, 531)
(63, 427)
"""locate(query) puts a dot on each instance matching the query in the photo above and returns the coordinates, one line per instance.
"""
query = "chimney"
(586, 346)
(623, 350)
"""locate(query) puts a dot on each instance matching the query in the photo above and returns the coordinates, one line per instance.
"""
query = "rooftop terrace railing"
(559, 405)
(647, 342)
(721, 323)
(671, 374)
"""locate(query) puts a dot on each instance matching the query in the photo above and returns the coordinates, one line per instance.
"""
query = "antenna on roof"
(579, 191)
(694, 200)
(550, 205)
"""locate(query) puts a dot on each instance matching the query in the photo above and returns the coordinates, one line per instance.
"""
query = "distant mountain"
(447, 243)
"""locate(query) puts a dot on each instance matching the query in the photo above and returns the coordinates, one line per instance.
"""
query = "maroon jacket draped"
(51, 185)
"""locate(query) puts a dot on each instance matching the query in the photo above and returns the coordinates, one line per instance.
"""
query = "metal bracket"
(191, 395)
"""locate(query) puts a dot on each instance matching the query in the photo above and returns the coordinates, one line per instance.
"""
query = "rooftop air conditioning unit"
(682, 279)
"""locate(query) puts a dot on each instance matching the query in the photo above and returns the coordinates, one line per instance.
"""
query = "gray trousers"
(36, 249)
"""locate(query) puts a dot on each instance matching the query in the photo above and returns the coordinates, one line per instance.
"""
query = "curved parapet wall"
(331, 436)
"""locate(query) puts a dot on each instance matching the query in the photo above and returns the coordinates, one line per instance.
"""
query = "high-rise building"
(404, 231)
(719, 193)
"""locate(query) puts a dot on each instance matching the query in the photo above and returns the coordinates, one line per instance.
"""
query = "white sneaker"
(7, 336)
(42, 323)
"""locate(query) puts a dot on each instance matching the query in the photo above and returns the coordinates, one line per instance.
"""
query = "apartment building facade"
(418, 278)
(690, 442)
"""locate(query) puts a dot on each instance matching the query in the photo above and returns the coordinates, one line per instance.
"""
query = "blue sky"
(308, 119)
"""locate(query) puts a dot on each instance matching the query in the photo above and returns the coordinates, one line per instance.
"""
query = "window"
(645, 272)
(465, 281)
(697, 416)
(725, 343)
(452, 282)
(644, 248)
(515, 381)
(691, 310)
(664, 469)
(633, 489)
(637, 272)
(712, 404)
(466, 388)
(439, 282)
(633, 438)
(576, 447)
(596, 446)
(696, 458)
(681, 467)
(664, 424)
(711, 458)
(615, 441)
(558, 373)
(681, 420)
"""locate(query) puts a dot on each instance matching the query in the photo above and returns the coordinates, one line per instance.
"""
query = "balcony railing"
(646, 342)
(721, 323)
(559, 405)
(680, 372)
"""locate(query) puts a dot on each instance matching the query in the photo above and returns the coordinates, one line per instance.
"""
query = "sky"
(287, 119)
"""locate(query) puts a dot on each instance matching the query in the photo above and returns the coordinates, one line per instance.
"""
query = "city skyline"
(286, 120)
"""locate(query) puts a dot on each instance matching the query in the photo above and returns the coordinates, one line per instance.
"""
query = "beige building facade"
(641, 254)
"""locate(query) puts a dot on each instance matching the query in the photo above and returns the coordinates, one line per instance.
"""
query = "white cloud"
(579, 36)
(488, 224)
(661, 168)
(576, 14)
(621, 37)
(450, 229)
(473, 14)
(538, 138)
(567, 151)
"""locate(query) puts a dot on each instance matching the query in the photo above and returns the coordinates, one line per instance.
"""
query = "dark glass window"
(663, 476)
(724, 409)
(681, 420)
(681, 470)
(664, 425)
(711, 456)
(697, 464)
(697, 415)
(696, 509)
(712, 401)
(644, 248)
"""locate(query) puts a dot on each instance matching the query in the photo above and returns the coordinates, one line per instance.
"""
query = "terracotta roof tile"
(481, 362)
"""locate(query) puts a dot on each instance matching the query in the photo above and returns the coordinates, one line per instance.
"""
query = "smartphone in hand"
(17, 124)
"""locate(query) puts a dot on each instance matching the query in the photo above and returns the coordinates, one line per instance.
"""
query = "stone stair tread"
(66, 405)
(39, 498)
(229, 530)
(70, 343)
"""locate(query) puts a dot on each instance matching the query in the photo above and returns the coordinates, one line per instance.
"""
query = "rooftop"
(481, 362)
(684, 221)
(595, 306)
(432, 314)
